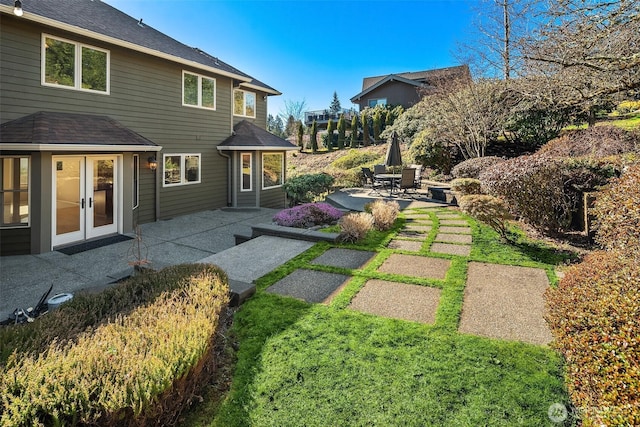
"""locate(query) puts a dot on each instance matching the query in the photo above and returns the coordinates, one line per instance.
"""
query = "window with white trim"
(272, 170)
(181, 169)
(198, 91)
(73, 65)
(136, 180)
(14, 191)
(246, 177)
(244, 103)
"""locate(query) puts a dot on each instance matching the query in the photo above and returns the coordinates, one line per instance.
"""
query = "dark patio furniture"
(407, 180)
(374, 182)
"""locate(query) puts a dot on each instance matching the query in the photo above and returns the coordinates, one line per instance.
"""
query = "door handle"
(90, 201)
(82, 203)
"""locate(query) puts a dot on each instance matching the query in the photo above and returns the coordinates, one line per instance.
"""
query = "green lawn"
(316, 365)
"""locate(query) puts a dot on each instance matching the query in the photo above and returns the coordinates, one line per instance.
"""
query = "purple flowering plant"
(307, 215)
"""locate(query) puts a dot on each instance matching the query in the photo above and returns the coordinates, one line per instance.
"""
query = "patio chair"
(418, 178)
(407, 180)
(369, 178)
(378, 169)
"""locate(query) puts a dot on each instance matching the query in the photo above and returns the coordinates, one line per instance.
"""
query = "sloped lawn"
(301, 364)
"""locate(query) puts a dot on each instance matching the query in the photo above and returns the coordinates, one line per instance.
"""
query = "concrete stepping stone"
(448, 215)
(416, 266)
(505, 302)
(454, 230)
(309, 285)
(407, 245)
(416, 227)
(397, 301)
(454, 238)
(408, 234)
(453, 222)
(450, 249)
(420, 220)
(344, 258)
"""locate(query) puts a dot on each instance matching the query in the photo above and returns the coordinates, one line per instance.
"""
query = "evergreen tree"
(291, 126)
(377, 125)
(314, 137)
(342, 126)
(335, 104)
(354, 131)
(330, 135)
(270, 123)
(300, 134)
(365, 129)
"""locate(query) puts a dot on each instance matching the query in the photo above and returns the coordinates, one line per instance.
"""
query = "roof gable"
(95, 18)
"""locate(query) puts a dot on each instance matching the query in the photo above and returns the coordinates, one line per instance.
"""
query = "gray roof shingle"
(247, 136)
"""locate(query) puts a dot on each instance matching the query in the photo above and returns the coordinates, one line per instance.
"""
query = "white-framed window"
(377, 101)
(14, 191)
(246, 174)
(72, 65)
(136, 181)
(198, 91)
(244, 103)
(181, 169)
(272, 170)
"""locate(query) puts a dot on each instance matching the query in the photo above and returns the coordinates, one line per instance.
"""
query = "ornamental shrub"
(384, 214)
(532, 186)
(617, 212)
(307, 187)
(142, 365)
(595, 142)
(466, 186)
(487, 209)
(355, 226)
(471, 168)
(593, 315)
(307, 215)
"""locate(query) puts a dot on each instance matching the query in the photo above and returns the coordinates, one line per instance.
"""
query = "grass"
(317, 365)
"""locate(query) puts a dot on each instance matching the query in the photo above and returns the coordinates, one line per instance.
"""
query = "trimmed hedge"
(594, 316)
(487, 209)
(135, 353)
(466, 186)
(472, 168)
(617, 211)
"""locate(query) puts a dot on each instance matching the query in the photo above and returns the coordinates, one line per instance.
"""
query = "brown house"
(404, 88)
(106, 123)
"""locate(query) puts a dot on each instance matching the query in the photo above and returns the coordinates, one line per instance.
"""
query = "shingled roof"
(65, 131)
(97, 19)
(247, 136)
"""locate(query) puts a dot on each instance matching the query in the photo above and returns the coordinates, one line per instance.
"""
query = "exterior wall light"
(153, 163)
(17, 8)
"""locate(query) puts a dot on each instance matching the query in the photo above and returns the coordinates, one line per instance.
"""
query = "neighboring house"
(404, 88)
(322, 117)
(106, 123)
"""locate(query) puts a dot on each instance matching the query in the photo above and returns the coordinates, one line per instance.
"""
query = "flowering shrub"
(466, 186)
(593, 315)
(471, 168)
(488, 209)
(384, 213)
(355, 226)
(617, 212)
(307, 215)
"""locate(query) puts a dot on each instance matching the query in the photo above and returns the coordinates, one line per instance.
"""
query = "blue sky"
(308, 49)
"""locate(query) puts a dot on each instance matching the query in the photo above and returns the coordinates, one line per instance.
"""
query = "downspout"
(157, 182)
(229, 176)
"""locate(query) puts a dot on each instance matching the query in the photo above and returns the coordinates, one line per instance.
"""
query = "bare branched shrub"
(471, 168)
(355, 226)
(466, 186)
(384, 214)
(596, 141)
(487, 209)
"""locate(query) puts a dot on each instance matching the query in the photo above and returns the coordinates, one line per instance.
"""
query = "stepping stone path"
(506, 302)
(398, 301)
(500, 301)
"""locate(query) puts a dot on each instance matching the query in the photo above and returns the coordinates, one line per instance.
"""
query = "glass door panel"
(69, 199)
(102, 205)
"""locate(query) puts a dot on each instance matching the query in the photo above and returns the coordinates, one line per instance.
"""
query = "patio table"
(391, 177)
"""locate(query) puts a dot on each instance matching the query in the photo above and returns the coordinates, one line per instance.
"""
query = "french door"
(85, 197)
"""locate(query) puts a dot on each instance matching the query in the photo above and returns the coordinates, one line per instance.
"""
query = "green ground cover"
(319, 365)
